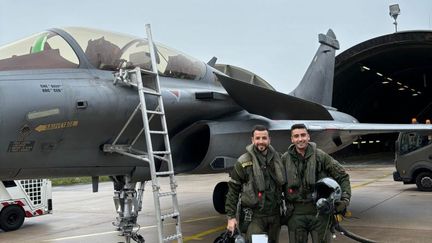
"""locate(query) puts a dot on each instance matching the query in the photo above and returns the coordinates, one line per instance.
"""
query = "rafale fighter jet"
(59, 107)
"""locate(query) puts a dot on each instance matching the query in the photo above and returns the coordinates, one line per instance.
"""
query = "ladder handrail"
(135, 78)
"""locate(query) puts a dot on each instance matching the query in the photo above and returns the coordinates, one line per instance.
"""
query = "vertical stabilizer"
(317, 83)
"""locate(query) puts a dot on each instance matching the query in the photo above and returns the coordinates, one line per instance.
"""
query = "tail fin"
(317, 83)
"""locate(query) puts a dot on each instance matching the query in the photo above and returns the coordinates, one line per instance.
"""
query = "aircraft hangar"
(387, 79)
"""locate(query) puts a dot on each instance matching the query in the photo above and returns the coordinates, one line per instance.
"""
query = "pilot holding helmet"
(258, 176)
(305, 165)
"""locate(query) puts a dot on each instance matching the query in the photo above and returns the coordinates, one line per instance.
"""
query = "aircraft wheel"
(11, 218)
(424, 181)
(219, 196)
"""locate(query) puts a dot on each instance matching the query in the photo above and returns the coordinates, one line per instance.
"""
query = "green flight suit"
(302, 173)
(259, 179)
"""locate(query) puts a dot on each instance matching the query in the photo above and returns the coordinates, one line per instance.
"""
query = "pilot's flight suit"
(302, 173)
(259, 179)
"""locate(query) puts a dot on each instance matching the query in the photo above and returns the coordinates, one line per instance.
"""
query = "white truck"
(413, 159)
(23, 198)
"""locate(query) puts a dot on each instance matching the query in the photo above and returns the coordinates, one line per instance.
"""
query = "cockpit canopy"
(44, 50)
(89, 48)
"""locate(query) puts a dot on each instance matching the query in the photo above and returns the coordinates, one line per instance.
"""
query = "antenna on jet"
(212, 62)
(394, 13)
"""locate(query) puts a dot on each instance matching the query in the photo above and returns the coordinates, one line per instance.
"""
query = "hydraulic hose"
(351, 235)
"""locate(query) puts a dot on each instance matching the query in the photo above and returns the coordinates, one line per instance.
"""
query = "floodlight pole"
(394, 13)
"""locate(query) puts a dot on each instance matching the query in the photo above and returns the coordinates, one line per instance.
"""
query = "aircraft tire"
(424, 181)
(219, 196)
(11, 218)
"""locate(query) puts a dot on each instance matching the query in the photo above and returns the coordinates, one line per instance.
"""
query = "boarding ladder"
(154, 129)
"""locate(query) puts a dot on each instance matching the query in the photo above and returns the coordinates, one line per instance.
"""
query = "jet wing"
(332, 136)
(270, 103)
(358, 129)
(350, 129)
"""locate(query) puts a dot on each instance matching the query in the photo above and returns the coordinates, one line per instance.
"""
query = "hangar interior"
(387, 79)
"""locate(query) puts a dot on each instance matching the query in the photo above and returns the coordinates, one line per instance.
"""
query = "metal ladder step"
(158, 132)
(165, 194)
(161, 173)
(152, 92)
(161, 152)
(155, 112)
(172, 237)
(170, 215)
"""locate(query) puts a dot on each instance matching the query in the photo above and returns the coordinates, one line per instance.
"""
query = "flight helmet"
(227, 237)
(327, 191)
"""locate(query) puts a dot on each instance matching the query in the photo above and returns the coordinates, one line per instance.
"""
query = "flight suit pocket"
(249, 196)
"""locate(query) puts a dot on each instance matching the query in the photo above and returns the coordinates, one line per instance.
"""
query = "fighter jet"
(60, 106)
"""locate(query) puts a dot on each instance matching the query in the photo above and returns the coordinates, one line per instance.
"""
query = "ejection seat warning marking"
(20, 146)
(53, 126)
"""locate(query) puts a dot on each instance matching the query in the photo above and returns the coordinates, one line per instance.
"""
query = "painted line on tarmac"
(88, 235)
(370, 182)
(144, 227)
(96, 234)
(199, 219)
(204, 233)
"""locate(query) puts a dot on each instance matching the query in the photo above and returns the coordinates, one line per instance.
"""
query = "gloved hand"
(341, 205)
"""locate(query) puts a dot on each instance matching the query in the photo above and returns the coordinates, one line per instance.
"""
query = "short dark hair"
(299, 126)
(259, 128)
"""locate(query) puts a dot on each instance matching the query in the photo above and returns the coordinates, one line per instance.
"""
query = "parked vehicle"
(413, 159)
(23, 198)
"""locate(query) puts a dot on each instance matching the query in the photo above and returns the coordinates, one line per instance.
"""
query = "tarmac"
(383, 210)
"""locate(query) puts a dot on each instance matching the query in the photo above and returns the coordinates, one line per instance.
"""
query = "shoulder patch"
(246, 163)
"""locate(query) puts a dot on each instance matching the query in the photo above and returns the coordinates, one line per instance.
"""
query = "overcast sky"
(276, 39)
